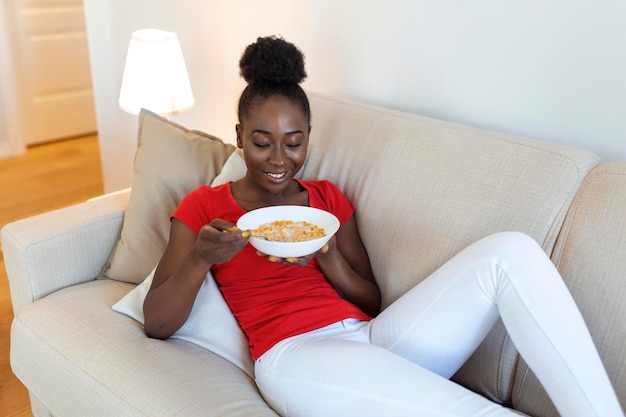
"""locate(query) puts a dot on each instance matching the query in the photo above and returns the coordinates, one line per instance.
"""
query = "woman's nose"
(277, 157)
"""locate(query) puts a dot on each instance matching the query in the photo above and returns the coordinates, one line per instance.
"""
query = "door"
(53, 74)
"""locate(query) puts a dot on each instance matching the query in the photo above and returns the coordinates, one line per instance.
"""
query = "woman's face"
(274, 137)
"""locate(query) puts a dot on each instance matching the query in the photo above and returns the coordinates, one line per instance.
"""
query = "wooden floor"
(47, 177)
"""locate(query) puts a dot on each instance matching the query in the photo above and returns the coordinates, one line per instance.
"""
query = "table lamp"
(155, 76)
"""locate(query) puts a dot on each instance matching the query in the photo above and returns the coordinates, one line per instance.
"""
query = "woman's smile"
(277, 175)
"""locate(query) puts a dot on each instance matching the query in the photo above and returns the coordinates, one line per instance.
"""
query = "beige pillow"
(170, 162)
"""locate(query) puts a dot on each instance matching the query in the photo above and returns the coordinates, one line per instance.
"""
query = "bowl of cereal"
(288, 231)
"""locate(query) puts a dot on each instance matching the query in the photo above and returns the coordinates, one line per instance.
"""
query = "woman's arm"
(347, 267)
(182, 269)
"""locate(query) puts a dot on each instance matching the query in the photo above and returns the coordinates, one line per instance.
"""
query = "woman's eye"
(261, 145)
(294, 145)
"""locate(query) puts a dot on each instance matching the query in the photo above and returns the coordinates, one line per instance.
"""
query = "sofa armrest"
(60, 248)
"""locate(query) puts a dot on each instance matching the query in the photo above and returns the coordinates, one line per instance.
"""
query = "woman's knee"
(512, 240)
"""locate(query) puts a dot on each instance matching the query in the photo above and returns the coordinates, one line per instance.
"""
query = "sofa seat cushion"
(80, 358)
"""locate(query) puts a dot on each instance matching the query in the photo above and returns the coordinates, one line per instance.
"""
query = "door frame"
(11, 138)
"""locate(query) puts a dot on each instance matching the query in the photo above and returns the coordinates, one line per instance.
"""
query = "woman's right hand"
(219, 241)
(182, 269)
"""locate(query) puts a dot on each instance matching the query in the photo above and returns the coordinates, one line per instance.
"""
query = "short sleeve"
(190, 210)
(327, 196)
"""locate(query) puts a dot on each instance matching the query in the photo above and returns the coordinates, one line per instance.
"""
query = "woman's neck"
(250, 197)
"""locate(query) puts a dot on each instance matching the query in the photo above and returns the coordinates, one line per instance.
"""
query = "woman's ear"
(239, 136)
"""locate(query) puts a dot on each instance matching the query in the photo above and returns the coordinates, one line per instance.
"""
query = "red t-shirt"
(271, 301)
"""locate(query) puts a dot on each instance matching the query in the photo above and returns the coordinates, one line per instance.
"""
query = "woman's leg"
(336, 372)
(439, 323)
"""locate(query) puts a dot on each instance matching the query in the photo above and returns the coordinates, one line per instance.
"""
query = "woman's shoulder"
(204, 192)
(203, 204)
(326, 195)
(320, 185)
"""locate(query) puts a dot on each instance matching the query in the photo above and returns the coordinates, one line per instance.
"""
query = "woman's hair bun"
(274, 60)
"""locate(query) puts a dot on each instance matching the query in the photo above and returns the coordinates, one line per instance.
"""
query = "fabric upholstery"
(210, 325)
(424, 189)
(53, 250)
(108, 367)
(591, 256)
(171, 161)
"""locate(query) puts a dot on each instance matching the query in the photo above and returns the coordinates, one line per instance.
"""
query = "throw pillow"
(170, 162)
(210, 325)
(233, 170)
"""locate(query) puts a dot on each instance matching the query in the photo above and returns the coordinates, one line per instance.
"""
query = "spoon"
(263, 237)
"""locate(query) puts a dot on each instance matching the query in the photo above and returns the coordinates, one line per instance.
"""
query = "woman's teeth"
(277, 176)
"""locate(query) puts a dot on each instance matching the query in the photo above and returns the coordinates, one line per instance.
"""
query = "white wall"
(548, 70)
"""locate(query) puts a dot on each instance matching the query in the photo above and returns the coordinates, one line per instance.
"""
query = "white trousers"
(399, 363)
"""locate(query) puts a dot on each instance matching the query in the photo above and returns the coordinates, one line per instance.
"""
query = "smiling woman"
(335, 281)
(313, 323)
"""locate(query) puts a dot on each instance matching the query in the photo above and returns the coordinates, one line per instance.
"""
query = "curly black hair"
(272, 66)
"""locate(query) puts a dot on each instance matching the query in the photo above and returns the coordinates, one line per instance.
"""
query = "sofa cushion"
(74, 337)
(210, 325)
(224, 336)
(170, 162)
(591, 256)
(424, 189)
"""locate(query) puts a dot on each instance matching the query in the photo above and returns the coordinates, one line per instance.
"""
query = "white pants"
(399, 363)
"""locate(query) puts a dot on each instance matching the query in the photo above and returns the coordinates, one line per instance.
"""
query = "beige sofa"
(423, 189)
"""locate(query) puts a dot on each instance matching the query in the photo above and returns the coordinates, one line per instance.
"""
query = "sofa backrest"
(591, 255)
(424, 189)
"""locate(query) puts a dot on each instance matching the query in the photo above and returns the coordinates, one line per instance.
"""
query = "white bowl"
(321, 218)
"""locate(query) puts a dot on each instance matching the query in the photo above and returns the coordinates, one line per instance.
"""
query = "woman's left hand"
(302, 260)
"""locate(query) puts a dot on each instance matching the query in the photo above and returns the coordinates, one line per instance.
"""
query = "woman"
(321, 347)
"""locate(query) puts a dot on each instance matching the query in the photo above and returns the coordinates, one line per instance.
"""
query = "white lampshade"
(155, 76)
